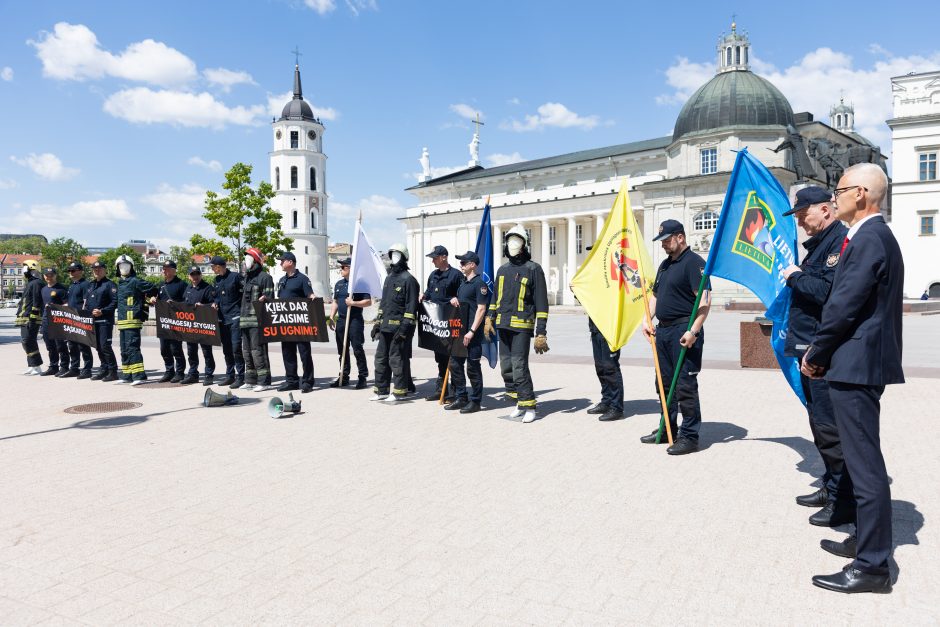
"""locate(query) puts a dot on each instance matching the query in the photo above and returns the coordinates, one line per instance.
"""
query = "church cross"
(478, 123)
(297, 54)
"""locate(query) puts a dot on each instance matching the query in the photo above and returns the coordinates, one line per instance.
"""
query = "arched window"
(705, 221)
(294, 221)
(293, 177)
(745, 55)
(737, 55)
(313, 220)
(277, 179)
(313, 179)
(728, 55)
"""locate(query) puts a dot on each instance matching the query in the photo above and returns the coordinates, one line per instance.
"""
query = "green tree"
(59, 253)
(22, 245)
(110, 256)
(244, 217)
(208, 246)
(182, 255)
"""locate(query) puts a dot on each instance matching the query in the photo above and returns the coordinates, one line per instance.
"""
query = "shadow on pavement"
(720, 433)
(563, 406)
(810, 461)
(906, 521)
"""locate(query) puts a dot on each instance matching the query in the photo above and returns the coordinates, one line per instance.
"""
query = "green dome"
(734, 98)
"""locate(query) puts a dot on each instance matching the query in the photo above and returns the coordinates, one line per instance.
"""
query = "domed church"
(562, 200)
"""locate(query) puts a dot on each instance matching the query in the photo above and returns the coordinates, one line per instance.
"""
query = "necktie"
(844, 244)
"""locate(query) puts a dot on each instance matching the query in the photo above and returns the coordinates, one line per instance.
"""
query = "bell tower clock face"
(311, 135)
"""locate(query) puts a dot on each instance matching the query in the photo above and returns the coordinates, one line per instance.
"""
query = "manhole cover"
(102, 408)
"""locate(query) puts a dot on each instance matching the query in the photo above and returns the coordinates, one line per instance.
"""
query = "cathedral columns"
(572, 260)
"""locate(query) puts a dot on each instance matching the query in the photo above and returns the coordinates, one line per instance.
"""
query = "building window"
(551, 240)
(528, 236)
(926, 225)
(294, 139)
(728, 55)
(578, 237)
(313, 179)
(705, 221)
(313, 220)
(293, 177)
(294, 221)
(709, 160)
(737, 55)
(277, 179)
(928, 166)
(306, 252)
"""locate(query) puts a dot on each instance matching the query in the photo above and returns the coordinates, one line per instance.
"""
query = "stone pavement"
(353, 513)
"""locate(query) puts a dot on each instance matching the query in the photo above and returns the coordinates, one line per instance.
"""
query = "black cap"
(49, 270)
(667, 228)
(75, 266)
(98, 264)
(288, 256)
(469, 256)
(169, 263)
(217, 261)
(807, 196)
(344, 263)
(439, 251)
(194, 270)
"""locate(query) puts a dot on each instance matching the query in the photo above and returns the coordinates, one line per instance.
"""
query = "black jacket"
(811, 286)
(199, 294)
(399, 306)
(258, 283)
(102, 295)
(228, 296)
(29, 310)
(521, 301)
(443, 285)
(174, 290)
(77, 296)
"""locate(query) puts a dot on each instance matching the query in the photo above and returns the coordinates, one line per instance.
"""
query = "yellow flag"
(610, 282)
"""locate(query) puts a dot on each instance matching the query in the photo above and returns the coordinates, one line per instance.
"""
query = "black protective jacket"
(399, 306)
(521, 302)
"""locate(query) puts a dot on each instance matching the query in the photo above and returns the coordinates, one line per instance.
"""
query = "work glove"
(399, 336)
(331, 322)
(488, 330)
(541, 344)
(375, 331)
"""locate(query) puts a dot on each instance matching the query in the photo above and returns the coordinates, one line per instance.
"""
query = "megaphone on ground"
(214, 399)
(277, 408)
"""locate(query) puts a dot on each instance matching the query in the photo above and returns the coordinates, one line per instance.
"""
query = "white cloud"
(435, 172)
(142, 105)
(47, 166)
(185, 202)
(466, 111)
(97, 212)
(321, 6)
(685, 77)
(276, 104)
(72, 52)
(379, 218)
(7, 183)
(213, 165)
(498, 159)
(226, 79)
(6, 73)
(552, 114)
(514, 101)
(357, 6)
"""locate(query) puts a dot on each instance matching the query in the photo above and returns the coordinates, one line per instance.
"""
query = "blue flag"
(753, 243)
(484, 249)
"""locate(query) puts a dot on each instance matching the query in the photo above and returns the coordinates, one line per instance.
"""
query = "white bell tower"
(298, 175)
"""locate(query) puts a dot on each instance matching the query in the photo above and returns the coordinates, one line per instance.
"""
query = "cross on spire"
(297, 54)
(478, 123)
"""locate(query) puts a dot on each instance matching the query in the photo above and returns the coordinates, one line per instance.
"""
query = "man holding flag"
(351, 305)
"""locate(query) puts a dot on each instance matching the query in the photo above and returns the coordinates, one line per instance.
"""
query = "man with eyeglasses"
(857, 348)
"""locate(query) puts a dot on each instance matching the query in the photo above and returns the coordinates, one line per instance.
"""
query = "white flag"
(367, 274)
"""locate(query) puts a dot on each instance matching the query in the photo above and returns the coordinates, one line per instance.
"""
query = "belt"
(675, 322)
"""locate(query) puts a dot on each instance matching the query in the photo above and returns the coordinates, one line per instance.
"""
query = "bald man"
(857, 348)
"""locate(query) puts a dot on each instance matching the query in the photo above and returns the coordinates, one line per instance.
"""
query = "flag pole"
(342, 359)
(659, 373)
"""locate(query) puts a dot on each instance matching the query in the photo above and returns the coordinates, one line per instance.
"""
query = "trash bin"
(756, 351)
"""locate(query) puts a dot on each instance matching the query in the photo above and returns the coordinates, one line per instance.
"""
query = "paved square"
(354, 513)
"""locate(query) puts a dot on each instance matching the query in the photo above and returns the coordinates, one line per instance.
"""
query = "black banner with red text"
(198, 324)
(67, 324)
(440, 329)
(292, 320)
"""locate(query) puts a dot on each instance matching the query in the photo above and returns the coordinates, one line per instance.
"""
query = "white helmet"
(513, 245)
(123, 259)
(521, 232)
(400, 248)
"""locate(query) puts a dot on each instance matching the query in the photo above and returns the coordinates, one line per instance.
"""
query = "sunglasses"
(842, 190)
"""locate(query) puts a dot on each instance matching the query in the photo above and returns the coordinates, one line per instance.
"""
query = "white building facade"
(915, 195)
(298, 175)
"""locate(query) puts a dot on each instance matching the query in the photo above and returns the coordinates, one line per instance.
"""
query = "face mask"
(514, 245)
(249, 263)
(124, 268)
(395, 257)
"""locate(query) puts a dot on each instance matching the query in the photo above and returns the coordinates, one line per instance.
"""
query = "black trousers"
(357, 339)
(392, 364)
(474, 373)
(58, 351)
(29, 338)
(822, 424)
(172, 353)
(192, 351)
(289, 350)
(685, 398)
(106, 357)
(858, 416)
(231, 336)
(255, 354)
(442, 360)
(79, 354)
(514, 364)
(607, 368)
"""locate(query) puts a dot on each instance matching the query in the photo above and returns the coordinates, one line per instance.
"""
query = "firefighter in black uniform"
(473, 298)
(228, 299)
(53, 293)
(29, 316)
(101, 301)
(79, 353)
(520, 309)
(674, 292)
(351, 305)
(295, 284)
(200, 294)
(173, 290)
(443, 283)
(395, 327)
(132, 312)
(810, 283)
(259, 287)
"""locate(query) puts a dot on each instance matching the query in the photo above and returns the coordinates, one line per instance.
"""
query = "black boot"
(190, 379)
(237, 383)
(84, 374)
(167, 377)
(51, 370)
(227, 381)
(361, 384)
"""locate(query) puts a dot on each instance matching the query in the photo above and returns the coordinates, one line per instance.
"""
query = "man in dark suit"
(857, 348)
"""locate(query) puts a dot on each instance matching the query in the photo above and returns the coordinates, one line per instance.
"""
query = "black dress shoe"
(190, 379)
(237, 383)
(111, 376)
(208, 380)
(227, 381)
(683, 446)
(336, 383)
(829, 516)
(819, 498)
(166, 378)
(847, 548)
(68, 374)
(48, 372)
(306, 388)
(84, 374)
(361, 384)
(177, 378)
(610, 414)
(470, 408)
(460, 403)
(287, 387)
(600, 408)
(433, 397)
(98, 376)
(852, 580)
(651, 438)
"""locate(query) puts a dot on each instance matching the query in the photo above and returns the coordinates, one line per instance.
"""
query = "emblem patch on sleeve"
(832, 260)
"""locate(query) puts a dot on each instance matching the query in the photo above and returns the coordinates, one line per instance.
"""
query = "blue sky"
(117, 117)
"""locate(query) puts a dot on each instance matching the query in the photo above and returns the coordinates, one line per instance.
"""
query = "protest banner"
(67, 324)
(440, 329)
(292, 320)
(188, 323)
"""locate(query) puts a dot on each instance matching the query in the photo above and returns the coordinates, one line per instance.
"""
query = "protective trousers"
(607, 367)
(391, 363)
(192, 352)
(79, 354)
(822, 424)
(514, 363)
(132, 361)
(356, 340)
(255, 354)
(289, 351)
(231, 336)
(685, 398)
(172, 353)
(29, 334)
(106, 357)
(474, 373)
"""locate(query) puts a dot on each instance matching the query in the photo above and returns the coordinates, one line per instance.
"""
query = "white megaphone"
(277, 408)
